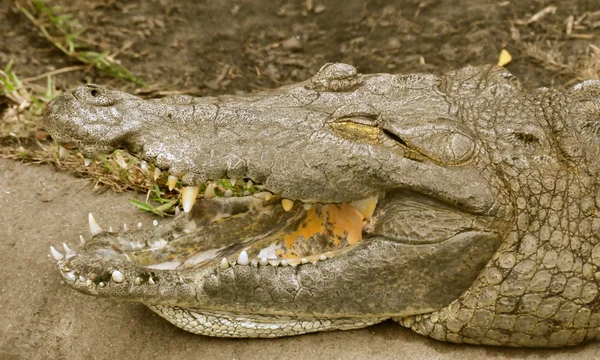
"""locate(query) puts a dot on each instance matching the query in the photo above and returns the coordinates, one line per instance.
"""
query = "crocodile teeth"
(188, 197)
(323, 257)
(55, 254)
(304, 261)
(209, 193)
(172, 181)
(232, 181)
(87, 161)
(228, 193)
(263, 261)
(283, 263)
(62, 152)
(243, 258)
(118, 276)
(151, 281)
(287, 204)
(94, 227)
(224, 263)
(144, 165)
(156, 173)
(307, 206)
(139, 225)
(124, 227)
(138, 281)
(69, 252)
(110, 229)
(81, 240)
(120, 161)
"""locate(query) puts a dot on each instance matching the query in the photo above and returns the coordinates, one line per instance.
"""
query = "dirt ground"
(215, 47)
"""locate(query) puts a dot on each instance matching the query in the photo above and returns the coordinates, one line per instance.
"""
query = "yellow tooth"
(172, 181)
(307, 206)
(209, 193)
(188, 197)
(287, 204)
(268, 196)
(365, 206)
(156, 173)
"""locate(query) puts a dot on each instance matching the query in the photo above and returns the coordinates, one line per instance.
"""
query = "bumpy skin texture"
(487, 227)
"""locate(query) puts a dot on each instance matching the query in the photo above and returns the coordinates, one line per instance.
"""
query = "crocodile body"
(462, 206)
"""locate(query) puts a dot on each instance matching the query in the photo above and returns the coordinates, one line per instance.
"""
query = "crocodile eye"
(357, 131)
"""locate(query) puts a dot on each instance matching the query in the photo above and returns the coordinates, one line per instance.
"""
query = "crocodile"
(462, 206)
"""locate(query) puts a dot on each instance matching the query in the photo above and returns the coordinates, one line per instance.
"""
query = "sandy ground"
(41, 318)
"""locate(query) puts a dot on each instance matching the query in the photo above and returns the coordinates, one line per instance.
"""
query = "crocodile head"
(381, 196)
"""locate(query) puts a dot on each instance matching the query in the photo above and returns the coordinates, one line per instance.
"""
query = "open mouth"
(260, 229)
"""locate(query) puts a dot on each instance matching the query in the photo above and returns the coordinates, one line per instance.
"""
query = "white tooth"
(144, 165)
(155, 222)
(81, 240)
(243, 258)
(228, 193)
(177, 211)
(124, 227)
(287, 204)
(94, 227)
(81, 278)
(232, 181)
(224, 263)
(304, 261)
(68, 249)
(249, 184)
(322, 257)
(101, 284)
(88, 283)
(151, 281)
(120, 161)
(156, 173)
(87, 162)
(283, 263)
(139, 225)
(188, 198)
(263, 261)
(172, 181)
(110, 229)
(118, 276)
(307, 206)
(268, 196)
(138, 281)
(62, 152)
(209, 193)
(274, 262)
(55, 254)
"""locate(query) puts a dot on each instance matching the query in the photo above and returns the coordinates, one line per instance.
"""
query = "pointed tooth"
(151, 280)
(138, 281)
(117, 276)
(287, 204)
(209, 193)
(224, 263)
(243, 258)
(274, 262)
(249, 184)
(188, 197)
(304, 261)
(62, 152)
(144, 165)
(283, 263)
(323, 257)
(120, 161)
(139, 225)
(365, 206)
(268, 196)
(232, 181)
(68, 250)
(156, 173)
(110, 229)
(101, 284)
(228, 193)
(124, 227)
(307, 206)
(94, 227)
(81, 240)
(172, 181)
(177, 211)
(155, 222)
(55, 254)
(87, 161)
(263, 261)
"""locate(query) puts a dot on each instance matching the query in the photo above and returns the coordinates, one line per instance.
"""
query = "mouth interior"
(218, 230)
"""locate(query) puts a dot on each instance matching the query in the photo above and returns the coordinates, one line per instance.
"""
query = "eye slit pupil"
(94, 92)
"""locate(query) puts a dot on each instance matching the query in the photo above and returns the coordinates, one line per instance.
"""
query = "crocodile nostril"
(94, 92)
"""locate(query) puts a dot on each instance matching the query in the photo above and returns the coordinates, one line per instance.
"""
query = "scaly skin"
(485, 230)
